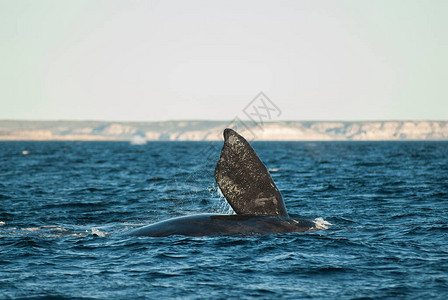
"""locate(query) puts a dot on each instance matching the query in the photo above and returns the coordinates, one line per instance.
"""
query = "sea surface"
(64, 207)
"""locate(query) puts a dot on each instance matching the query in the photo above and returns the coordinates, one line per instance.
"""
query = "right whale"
(248, 187)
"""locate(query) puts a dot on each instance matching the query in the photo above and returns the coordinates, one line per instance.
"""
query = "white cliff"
(212, 130)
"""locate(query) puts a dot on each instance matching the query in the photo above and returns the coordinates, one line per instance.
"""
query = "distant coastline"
(15, 130)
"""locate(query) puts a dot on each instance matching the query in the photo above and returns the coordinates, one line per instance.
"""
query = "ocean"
(65, 207)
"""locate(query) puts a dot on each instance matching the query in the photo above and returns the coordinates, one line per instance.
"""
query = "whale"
(249, 189)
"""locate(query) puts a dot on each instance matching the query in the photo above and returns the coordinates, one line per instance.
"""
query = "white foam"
(321, 223)
(99, 233)
(2, 223)
(31, 229)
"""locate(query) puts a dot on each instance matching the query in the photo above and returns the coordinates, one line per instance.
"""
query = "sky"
(206, 60)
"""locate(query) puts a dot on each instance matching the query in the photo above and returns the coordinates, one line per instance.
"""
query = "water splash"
(321, 223)
(138, 140)
(222, 206)
(99, 233)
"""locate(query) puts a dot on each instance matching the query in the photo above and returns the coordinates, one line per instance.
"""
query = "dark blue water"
(64, 206)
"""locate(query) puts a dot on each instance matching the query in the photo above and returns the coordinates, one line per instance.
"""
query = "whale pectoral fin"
(244, 180)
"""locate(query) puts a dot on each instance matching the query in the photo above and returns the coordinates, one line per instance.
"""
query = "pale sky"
(167, 60)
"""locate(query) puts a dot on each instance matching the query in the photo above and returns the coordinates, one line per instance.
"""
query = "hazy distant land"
(212, 130)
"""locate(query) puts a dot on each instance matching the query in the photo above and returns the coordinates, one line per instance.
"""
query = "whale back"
(244, 180)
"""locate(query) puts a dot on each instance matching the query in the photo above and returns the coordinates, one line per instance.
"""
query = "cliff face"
(212, 130)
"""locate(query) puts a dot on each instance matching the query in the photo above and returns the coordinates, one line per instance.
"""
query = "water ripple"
(65, 206)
